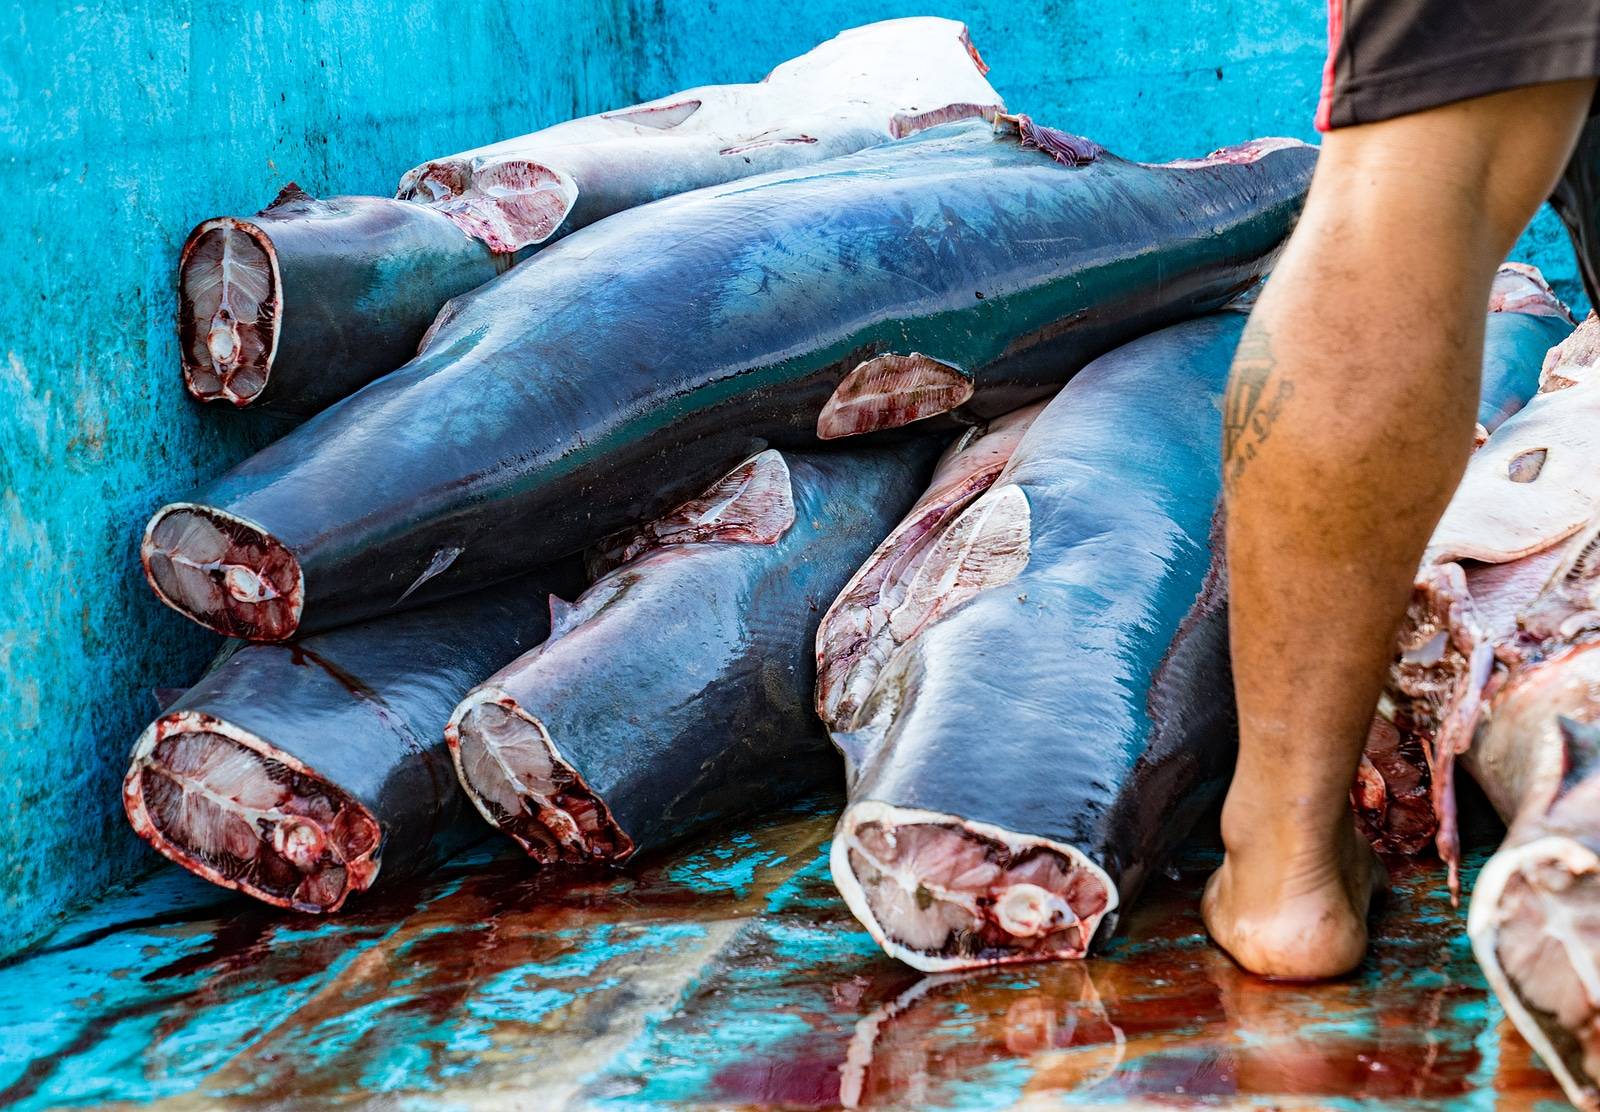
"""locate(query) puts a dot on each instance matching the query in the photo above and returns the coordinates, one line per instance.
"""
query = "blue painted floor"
(726, 977)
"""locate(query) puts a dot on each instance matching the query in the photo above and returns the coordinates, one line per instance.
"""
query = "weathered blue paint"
(727, 977)
(122, 125)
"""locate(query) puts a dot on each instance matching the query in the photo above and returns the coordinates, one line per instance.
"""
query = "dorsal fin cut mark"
(890, 391)
(853, 746)
(447, 313)
(441, 562)
(662, 117)
(166, 696)
(752, 504)
(563, 616)
(290, 194)
(1063, 146)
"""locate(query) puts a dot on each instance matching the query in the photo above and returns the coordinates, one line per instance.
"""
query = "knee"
(1479, 168)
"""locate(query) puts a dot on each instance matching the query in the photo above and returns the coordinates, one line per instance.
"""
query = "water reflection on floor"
(727, 977)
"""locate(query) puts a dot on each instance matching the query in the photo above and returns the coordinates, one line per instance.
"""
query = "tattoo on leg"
(1254, 401)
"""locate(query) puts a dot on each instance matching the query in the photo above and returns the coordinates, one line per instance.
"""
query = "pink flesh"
(1064, 147)
(1531, 591)
(1570, 604)
(228, 305)
(1548, 940)
(856, 637)
(1542, 924)
(752, 504)
(508, 203)
(1469, 633)
(972, 51)
(986, 546)
(1574, 359)
(909, 123)
(945, 891)
(1520, 756)
(890, 391)
(1519, 288)
(256, 821)
(514, 775)
(223, 573)
(508, 763)
(1241, 155)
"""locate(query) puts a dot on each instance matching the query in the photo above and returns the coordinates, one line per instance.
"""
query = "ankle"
(1283, 831)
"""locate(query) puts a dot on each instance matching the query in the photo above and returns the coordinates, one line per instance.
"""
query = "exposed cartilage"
(517, 779)
(889, 391)
(223, 572)
(230, 308)
(941, 893)
(227, 805)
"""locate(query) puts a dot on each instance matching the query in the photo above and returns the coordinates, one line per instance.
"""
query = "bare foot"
(1293, 911)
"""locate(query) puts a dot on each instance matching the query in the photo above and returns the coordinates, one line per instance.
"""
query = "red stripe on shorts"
(1335, 33)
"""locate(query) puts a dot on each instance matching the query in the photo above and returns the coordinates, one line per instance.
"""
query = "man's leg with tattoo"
(1349, 421)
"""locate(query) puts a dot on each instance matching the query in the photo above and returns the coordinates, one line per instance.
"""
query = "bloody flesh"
(1499, 665)
(677, 690)
(638, 359)
(311, 299)
(1489, 557)
(1535, 914)
(868, 621)
(294, 772)
(1059, 710)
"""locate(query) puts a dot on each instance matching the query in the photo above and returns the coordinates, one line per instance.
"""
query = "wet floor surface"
(726, 977)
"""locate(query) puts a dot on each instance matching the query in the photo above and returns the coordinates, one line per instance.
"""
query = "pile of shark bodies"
(842, 428)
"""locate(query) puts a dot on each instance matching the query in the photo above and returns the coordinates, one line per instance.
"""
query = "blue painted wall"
(1150, 79)
(123, 125)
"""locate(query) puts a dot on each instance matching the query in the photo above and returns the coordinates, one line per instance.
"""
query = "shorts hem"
(1374, 97)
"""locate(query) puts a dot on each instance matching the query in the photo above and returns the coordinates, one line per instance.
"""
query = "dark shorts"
(1389, 58)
